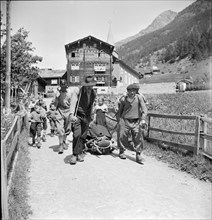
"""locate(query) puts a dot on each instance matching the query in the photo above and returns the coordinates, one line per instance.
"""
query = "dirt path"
(106, 187)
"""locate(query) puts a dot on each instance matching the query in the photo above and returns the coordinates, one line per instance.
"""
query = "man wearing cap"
(81, 110)
(131, 116)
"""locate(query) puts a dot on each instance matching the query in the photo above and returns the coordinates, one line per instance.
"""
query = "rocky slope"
(162, 20)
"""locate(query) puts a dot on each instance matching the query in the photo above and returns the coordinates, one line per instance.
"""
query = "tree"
(22, 60)
(3, 28)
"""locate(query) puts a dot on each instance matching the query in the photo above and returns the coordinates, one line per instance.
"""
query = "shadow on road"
(67, 159)
(55, 148)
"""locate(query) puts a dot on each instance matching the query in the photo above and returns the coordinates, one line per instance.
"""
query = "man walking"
(63, 102)
(82, 103)
(131, 116)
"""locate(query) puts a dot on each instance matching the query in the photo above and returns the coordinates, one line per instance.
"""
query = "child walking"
(51, 115)
(43, 112)
(36, 126)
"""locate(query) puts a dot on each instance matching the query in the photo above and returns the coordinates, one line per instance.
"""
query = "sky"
(53, 24)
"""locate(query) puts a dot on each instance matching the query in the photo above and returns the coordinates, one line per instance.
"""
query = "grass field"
(176, 71)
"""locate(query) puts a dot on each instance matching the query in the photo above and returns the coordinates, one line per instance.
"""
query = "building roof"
(185, 81)
(49, 73)
(90, 40)
(128, 68)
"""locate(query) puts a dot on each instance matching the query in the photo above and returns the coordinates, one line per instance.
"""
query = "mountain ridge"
(187, 35)
(160, 21)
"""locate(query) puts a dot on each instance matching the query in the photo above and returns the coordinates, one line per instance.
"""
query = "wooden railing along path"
(9, 151)
(205, 137)
(199, 134)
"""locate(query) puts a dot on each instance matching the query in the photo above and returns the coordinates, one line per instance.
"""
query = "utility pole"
(8, 59)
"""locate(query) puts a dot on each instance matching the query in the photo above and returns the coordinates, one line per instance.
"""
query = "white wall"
(158, 88)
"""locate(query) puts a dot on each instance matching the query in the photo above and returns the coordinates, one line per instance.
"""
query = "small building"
(182, 84)
(155, 69)
(52, 79)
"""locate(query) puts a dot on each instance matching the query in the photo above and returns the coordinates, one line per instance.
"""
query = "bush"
(6, 123)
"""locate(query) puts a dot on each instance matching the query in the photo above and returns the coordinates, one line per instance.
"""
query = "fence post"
(4, 193)
(204, 139)
(148, 125)
(197, 136)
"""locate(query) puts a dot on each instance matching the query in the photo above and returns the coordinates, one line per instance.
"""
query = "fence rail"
(9, 146)
(200, 133)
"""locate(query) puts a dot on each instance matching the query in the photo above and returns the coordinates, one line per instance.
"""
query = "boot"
(60, 151)
(139, 159)
(44, 136)
(52, 133)
(73, 160)
(80, 158)
(65, 145)
(122, 155)
(38, 142)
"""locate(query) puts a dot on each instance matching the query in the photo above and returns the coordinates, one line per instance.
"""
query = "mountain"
(159, 22)
(187, 35)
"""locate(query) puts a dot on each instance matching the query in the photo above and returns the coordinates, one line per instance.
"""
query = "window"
(73, 54)
(74, 79)
(54, 81)
(100, 67)
(100, 78)
(75, 66)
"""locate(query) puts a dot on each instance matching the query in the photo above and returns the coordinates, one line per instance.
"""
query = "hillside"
(160, 21)
(188, 35)
(178, 70)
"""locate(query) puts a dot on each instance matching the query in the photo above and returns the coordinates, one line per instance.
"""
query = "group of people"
(71, 110)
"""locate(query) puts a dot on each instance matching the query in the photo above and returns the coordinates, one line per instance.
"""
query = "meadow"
(190, 103)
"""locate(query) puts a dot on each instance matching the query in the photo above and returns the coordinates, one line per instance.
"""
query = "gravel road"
(106, 187)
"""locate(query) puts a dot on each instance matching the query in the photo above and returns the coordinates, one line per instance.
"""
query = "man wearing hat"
(81, 110)
(131, 116)
(63, 102)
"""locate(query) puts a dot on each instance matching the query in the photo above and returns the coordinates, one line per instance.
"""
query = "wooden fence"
(205, 137)
(198, 134)
(9, 148)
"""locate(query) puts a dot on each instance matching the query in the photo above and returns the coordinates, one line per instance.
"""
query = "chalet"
(52, 79)
(91, 56)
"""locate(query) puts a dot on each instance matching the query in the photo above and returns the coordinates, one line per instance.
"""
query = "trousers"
(80, 130)
(130, 127)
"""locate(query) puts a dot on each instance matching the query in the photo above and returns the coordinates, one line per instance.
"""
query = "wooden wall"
(81, 62)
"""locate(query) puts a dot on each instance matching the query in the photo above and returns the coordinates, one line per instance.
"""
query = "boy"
(36, 126)
(131, 118)
(51, 115)
(43, 109)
